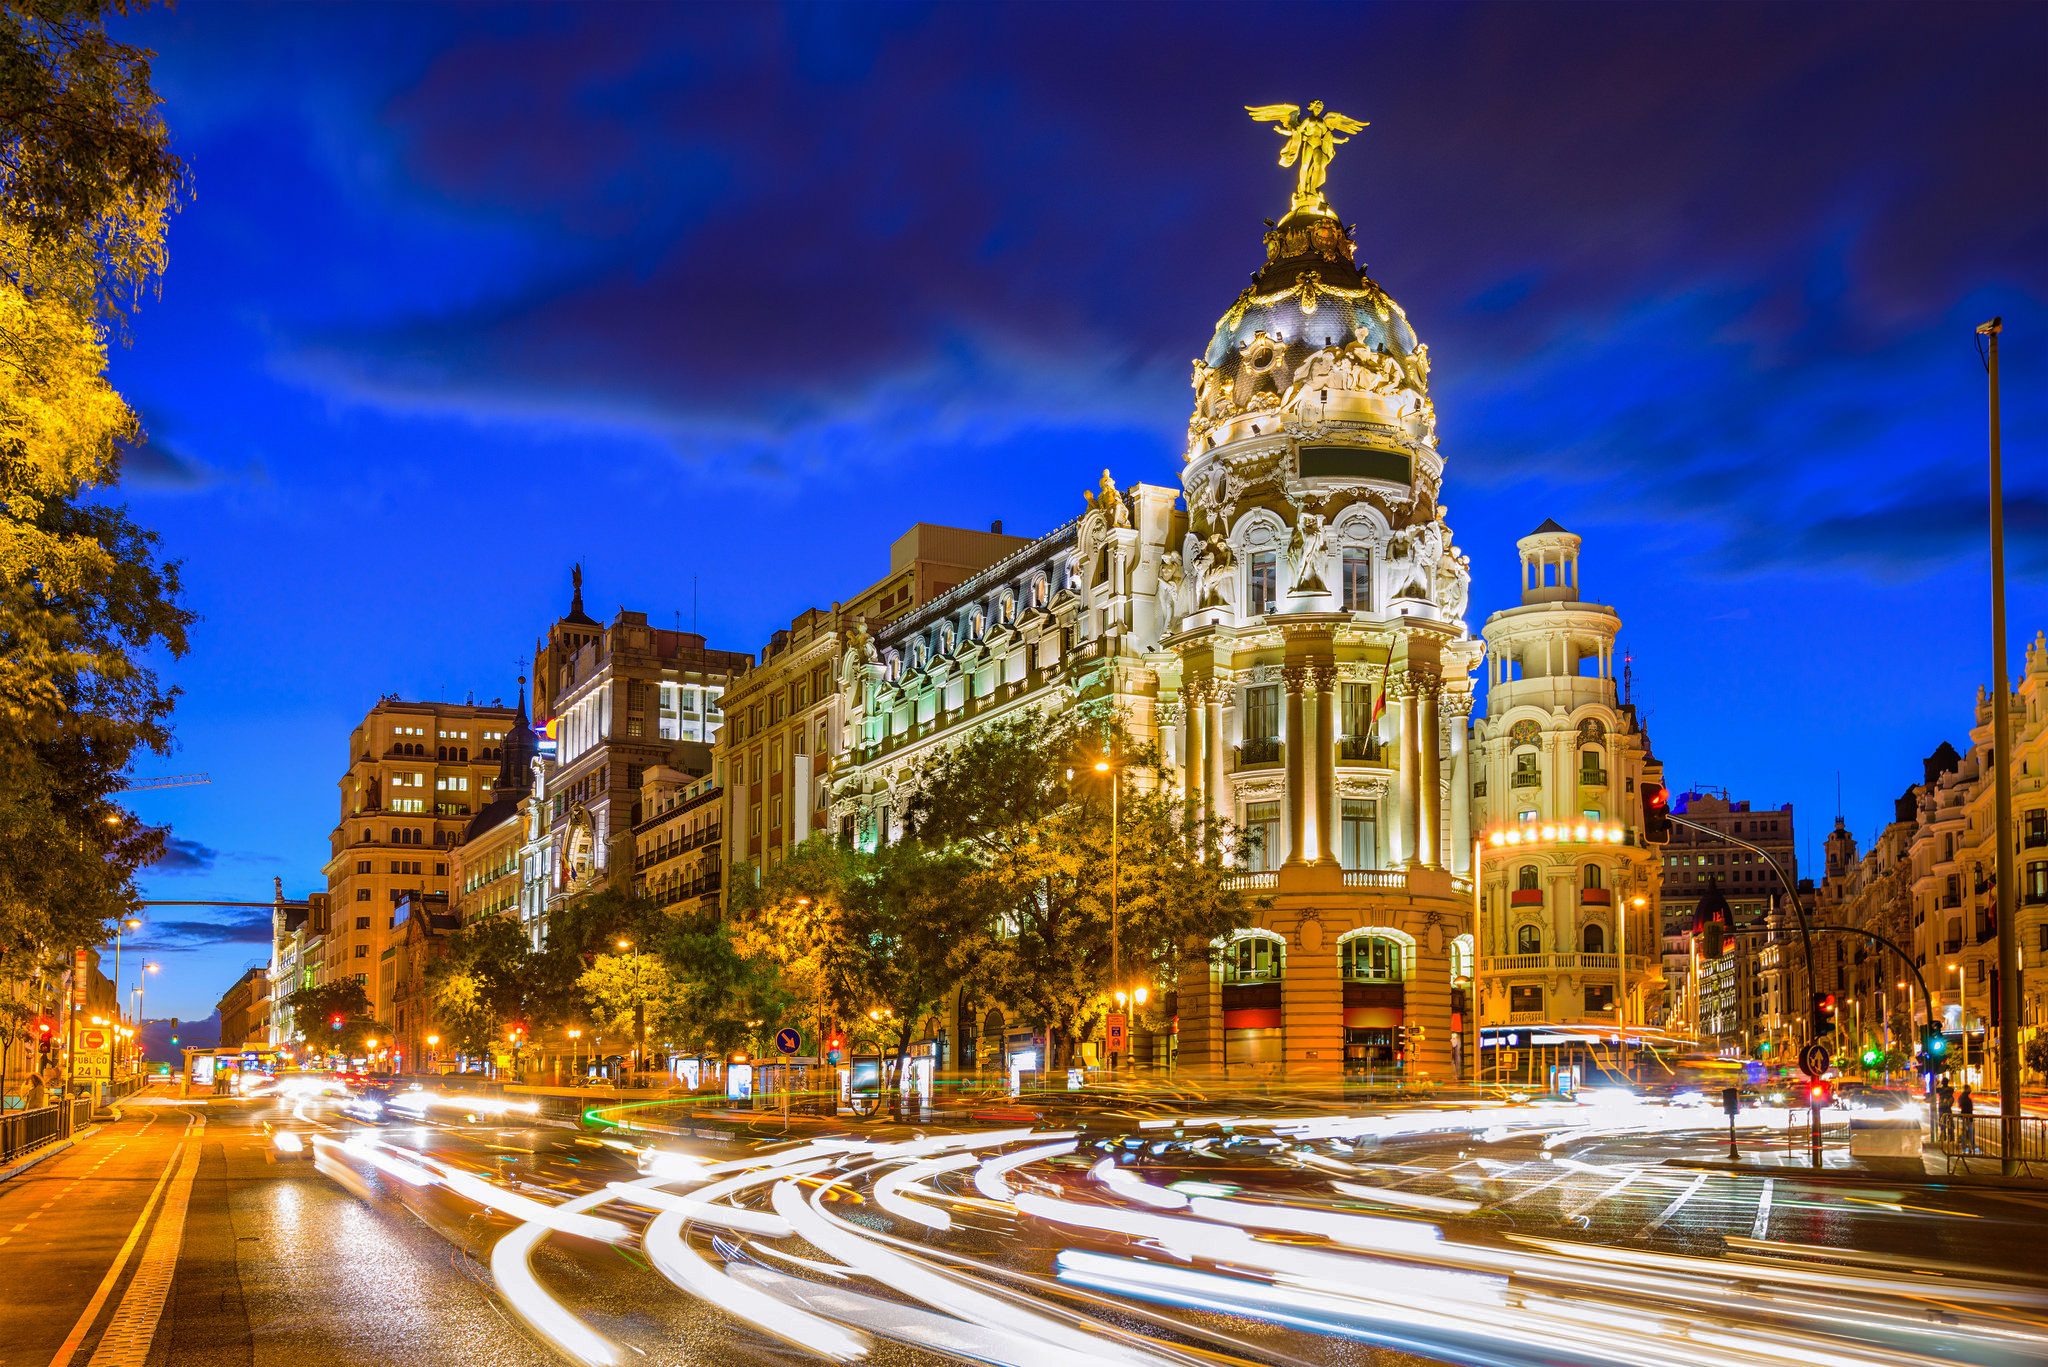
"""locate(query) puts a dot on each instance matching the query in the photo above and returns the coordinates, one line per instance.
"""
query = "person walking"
(1945, 1096)
(1967, 1104)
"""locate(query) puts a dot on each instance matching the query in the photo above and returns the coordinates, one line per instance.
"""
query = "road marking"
(1611, 1191)
(99, 1297)
(133, 1327)
(1763, 1210)
(1672, 1209)
(1510, 1200)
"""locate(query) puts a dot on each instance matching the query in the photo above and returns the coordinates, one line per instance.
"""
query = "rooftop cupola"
(1550, 564)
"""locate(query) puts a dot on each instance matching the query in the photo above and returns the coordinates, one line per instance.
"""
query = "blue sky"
(734, 295)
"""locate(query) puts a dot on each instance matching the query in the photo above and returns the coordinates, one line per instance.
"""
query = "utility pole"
(2008, 1006)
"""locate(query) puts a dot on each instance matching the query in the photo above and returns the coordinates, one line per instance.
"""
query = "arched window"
(1591, 878)
(1594, 940)
(1461, 959)
(1375, 957)
(1254, 956)
(1525, 878)
(1528, 940)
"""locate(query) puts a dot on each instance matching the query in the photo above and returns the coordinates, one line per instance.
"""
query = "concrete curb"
(55, 1146)
(1850, 1178)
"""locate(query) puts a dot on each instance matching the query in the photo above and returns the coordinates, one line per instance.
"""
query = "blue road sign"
(787, 1041)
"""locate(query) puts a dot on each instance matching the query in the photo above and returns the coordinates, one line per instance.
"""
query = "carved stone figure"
(1311, 141)
(1306, 550)
(1208, 387)
(1215, 568)
(1453, 582)
(1110, 503)
(1170, 579)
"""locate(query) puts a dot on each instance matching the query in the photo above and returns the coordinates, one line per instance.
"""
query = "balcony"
(1526, 897)
(1252, 882)
(1392, 879)
(1596, 897)
(1592, 778)
(1952, 946)
(1525, 780)
(1260, 751)
(1358, 750)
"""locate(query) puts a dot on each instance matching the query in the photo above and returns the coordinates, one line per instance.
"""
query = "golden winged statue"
(1311, 141)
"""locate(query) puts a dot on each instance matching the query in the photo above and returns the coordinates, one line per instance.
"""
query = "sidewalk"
(1838, 1169)
(78, 1218)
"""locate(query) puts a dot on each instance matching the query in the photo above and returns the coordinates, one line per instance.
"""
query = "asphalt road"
(1526, 1237)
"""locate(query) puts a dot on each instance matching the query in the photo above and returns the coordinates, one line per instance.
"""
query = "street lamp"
(575, 1038)
(432, 1065)
(1116, 972)
(639, 1012)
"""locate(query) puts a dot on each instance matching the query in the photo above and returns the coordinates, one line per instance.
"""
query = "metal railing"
(1982, 1136)
(21, 1131)
(1259, 750)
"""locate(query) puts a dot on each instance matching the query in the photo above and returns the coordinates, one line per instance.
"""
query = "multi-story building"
(418, 773)
(618, 699)
(789, 714)
(245, 1009)
(422, 922)
(1692, 864)
(1254, 639)
(678, 847)
(1570, 897)
(485, 877)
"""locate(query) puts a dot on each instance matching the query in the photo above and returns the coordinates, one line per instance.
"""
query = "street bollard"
(1731, 1100)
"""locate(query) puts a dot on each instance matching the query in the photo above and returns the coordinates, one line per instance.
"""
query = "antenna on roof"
(1838, 797)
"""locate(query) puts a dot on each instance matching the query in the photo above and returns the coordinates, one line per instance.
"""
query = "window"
(362, 866)
(796, 741)
(1528, 940)
(1255, 958)
(1526, 773)
(1262, 834)
(757, 767)
(362, 894)
(1358, 843)
(1357, 581)
(775, 814)
(775, 757)
(1594, 940)
(1374, 958)
(1525, 878)
(362, 951)
(1591, 878)
(754, 820)
(1599, 998)
(1525, 1001)
(362, 923)
(1590, 770)
(440, 870)
(1262, 713)
(1262, 582)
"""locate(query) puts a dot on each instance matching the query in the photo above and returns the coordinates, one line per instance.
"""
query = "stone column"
(1428, 736)
(1296, 680)
(1218, 763)
(1400, 689)
(1327, 827)
(1196, 777)
(1458, 707)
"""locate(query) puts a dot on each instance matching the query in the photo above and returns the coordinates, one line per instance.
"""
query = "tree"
(86, 183)
(334, 1018)
(634, 995)
(1022, 800)
(482, 984)
(876, 936)
(2037, 1053)
(726, 996)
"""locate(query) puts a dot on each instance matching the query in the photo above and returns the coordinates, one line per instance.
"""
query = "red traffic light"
(335, 1022)
(46, 1028)
(1827, 1002)
(1820, 1094)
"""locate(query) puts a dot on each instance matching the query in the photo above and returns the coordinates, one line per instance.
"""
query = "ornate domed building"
(1314, 623)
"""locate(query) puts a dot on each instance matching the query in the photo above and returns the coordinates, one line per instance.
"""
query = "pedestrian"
(1945, 1098)
(1967, 1104)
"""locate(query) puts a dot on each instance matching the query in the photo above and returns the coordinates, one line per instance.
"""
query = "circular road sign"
(787, 1041)
(1814, 1060)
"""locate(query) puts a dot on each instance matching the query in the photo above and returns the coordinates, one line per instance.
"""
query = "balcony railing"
(1261, 750)
(1252, 882)
(1596, 897)
(1394, 879)
(1592, 778)
(1358, 750)
(1527, 781)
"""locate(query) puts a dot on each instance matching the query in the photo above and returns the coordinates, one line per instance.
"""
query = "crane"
(141, 785)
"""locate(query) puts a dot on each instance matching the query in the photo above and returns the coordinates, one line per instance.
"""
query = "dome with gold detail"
(1312, 337)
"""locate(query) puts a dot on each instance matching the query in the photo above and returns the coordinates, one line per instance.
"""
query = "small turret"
(1550, 564)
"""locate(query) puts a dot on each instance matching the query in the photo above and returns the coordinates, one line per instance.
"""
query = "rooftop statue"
(1310, 142)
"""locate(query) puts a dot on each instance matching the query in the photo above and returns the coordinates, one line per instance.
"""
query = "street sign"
(1116, 1034)
(1814, 1059)
(787, 1040)
(93, 1059)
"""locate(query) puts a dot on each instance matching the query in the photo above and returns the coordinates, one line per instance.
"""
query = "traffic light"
(1656, 814)
(1823, 1014)
(1934, 1045)
(1764, 1048)
(1871, 1055)
(335, 1020)
(1820, 1094)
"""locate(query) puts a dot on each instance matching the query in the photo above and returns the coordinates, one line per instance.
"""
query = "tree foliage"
(316, 1009)
(483, 984)
(86, 182)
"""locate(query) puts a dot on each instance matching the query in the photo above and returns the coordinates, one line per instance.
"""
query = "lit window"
(1262, 582)
(1357, 581)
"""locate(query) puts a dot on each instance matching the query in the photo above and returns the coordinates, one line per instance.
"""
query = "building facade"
(1569, 894)
(418, 773)
(1722, 1009)
(245, 1010)
(619, 698)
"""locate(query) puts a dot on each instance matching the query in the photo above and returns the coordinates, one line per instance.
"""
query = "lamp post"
(576, 1053)
(142, 982)
(639, 1014)
(1116, 972)
(2007, 1010)
(433, 1063)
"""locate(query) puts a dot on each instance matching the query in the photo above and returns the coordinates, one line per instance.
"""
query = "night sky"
(731, 296)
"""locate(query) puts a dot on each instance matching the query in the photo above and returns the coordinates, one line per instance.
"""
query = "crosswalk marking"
(1672, 1209)
(1614, 1190)
(1763, 1210)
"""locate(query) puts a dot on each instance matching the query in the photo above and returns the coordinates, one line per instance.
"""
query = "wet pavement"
(314, 1233)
